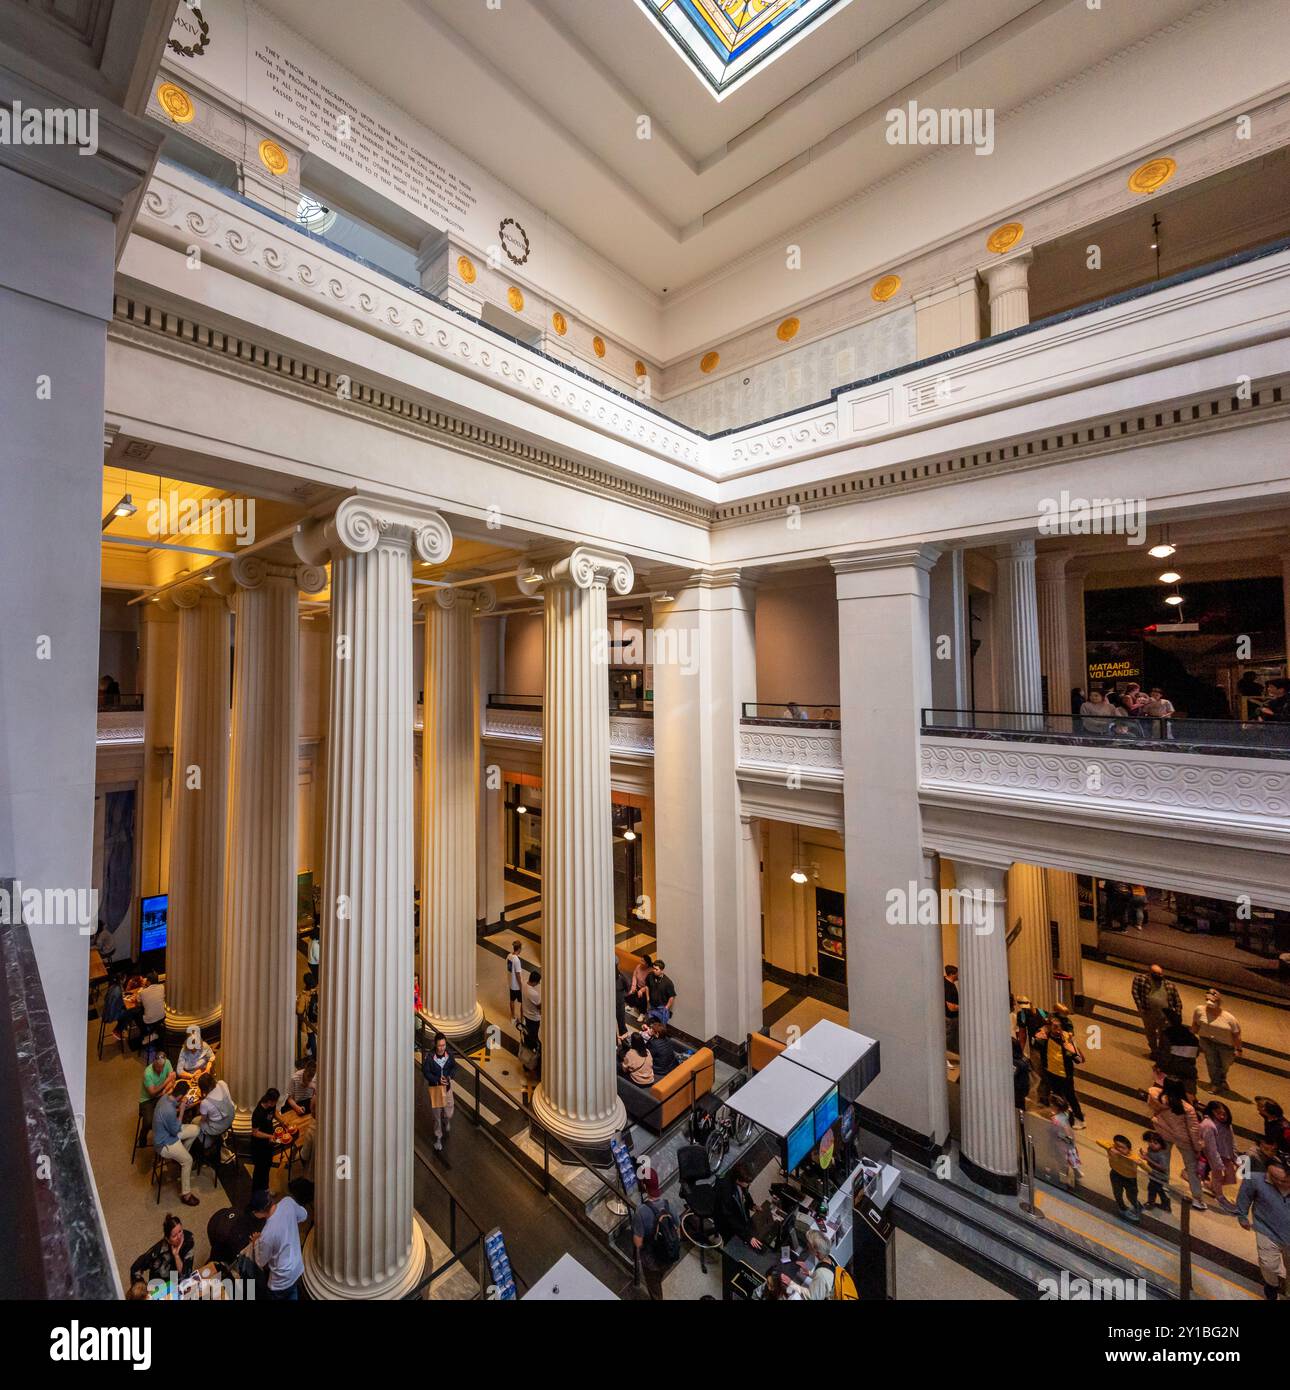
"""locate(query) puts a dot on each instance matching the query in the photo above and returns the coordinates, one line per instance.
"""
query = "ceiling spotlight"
(1174, 600)
(1162, 551)
(798, 876)
(1170, 577)
(629, 834)
(124, 507)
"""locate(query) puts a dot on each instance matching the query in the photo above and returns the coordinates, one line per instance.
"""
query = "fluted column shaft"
(988, 1126)
(1008, 283)
(259, 1029)
(448, 817)
(199, 788)
(1017, 628)
(366, 1243)
(577, 1099)
(1054, 629)
(1063, 908)
(1030, 956)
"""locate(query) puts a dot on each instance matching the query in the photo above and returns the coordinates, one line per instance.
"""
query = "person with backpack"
(656, 1234)
(829, 1280)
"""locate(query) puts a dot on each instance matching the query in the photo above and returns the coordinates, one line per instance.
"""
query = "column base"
(578, 1132)
(181, 1023)
(455, 1028)
(995, 1182)
(323, 1287)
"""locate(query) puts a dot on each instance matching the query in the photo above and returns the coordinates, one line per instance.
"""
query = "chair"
(102, 1033)
(143, 1128)
(158, 1177)
(698, 1190)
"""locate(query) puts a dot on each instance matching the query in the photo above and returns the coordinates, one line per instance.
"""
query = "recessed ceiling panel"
(725, 40)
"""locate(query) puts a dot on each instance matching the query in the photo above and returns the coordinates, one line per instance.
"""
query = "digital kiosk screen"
(152, 932)
(826, 1112)
(801, 1139)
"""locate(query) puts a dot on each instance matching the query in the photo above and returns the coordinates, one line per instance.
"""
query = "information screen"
(826, 1112)
(152, 934)
(801, 1140)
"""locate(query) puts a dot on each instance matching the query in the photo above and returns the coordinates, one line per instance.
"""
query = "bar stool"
(143, 1128)
(102, 1032)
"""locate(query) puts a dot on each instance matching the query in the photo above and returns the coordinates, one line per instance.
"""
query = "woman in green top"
(154, 1076)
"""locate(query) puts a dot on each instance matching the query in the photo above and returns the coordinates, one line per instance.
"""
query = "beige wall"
(797, 640)
(788, 908)
(523, 654)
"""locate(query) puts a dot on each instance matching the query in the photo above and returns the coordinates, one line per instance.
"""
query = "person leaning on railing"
(1276, 706)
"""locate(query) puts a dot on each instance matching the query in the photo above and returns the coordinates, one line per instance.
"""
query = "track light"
(124, 507)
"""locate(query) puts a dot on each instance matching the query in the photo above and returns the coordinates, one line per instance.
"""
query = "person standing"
(277, 1247)
(1177, 1123)
(1124, 1176)
(1153, 997)
(264, 1144)
(952, 1009)
(515, 980)
(1263, 1205)
(656, 1236)
(438, 1069)
(662, 993)
(1155, 1158)
(1096, 712)
(1276, 706)
(1060, 1056)
(531, 1009)
(1179, 1049)
(173, 1139)
(1220, 1151)
(1220, 1038)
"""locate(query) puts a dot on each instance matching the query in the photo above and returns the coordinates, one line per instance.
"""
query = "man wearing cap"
(277, 1247)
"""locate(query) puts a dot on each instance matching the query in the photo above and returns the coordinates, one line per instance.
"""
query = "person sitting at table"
(735, 1210)
(114, 1008)
(173, 1139)
(105, 944)
(155, 1075)
(172, 1254)
(217, 1110)
(264, 1143)
(636, 1064)
(195, 1056)
(301, 1089)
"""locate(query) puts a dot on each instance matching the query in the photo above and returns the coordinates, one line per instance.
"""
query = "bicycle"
(729, 1129)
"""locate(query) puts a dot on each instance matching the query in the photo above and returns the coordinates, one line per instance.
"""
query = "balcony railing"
(639, 709)
(793, 712)
(1175, 735)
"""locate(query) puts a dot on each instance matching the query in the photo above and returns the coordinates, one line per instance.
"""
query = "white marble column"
(1030, 955)
(1054, 630)
(1016, 620)
(259, 1027)
(988, 1141)
(951, 636)
(1063, 908)
(449, 813)
(705, 668)
(748, 961)
(199, 801)
(1008, 283)
(491, 879)
(883, 607)
(577, 1099)
(366, 1243)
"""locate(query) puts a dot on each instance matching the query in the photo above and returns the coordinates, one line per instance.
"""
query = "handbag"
(438, 1096)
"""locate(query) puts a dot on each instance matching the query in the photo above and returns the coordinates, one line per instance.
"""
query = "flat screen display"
(152, 931)
(801, 1139)
(826, 1112)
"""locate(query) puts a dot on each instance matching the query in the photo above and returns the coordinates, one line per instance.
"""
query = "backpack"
(844, 1286)
(665, 1242)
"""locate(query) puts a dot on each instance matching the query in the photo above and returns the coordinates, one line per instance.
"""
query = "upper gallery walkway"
(419, 361)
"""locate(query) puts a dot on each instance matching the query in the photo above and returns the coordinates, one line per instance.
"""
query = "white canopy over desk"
(780, 1095)
(837, 1053)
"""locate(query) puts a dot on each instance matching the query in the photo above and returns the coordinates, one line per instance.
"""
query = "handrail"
(642, 708)
(810, 716)
(1179, 733)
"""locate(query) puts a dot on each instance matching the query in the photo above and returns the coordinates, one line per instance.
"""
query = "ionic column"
(448, 813)
(1030, 956)
(988, 1123)
(366, 1243)
(1054, 630)
(259, 1028)
(577, 1099)
(1017, 628)
(1008, 283)
(199, 788)
(748, 961)
(1063, 908)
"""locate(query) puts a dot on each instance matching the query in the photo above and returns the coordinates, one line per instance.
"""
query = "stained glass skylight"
(724, 40)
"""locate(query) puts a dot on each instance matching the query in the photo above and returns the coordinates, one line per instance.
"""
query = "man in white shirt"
(277, 1247)
(217, 1110)
(152, 1000)
(515, 977)
(1220, 1038)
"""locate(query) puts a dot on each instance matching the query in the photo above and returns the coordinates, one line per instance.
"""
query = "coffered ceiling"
(553, 97)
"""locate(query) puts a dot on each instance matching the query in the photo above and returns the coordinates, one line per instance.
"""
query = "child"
(1068, 1163)
(1156, 1158)
(1124, 1177)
